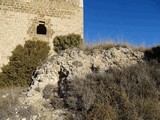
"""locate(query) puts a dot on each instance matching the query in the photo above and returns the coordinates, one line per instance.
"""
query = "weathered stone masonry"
(20, 19)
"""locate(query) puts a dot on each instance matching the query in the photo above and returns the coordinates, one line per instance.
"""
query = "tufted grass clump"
(23, 62)
(67, 41)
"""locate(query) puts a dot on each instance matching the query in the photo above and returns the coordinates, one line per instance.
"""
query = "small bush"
(102, 112)
(153, 53)
(23, 62)
(57, 103)
(67, 41)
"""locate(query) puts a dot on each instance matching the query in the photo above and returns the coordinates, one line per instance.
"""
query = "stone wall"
(20, 18)
(53, 8)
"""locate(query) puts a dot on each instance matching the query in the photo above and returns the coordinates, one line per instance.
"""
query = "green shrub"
(67, 41)
(23, 63)
(153, 53)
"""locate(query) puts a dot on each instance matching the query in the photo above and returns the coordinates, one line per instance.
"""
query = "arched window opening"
(41, 28)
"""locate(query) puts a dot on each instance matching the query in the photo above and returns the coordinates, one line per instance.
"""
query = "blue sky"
(134, 21)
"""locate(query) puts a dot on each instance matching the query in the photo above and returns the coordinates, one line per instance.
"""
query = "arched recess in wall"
(44, 31)
(41, 28)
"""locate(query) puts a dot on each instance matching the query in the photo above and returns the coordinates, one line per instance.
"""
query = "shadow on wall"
(153, 54)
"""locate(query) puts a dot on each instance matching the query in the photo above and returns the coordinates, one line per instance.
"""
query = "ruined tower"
(23, 20)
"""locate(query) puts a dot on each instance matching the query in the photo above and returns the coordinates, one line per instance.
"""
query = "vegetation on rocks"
(123, 92)
(129, 93)
(23, 63)
(122, 84)
(67, 41)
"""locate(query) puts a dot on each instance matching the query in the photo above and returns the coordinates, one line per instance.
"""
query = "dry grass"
(10, 93)
(9, 101)
(110, 44)
(130, 93)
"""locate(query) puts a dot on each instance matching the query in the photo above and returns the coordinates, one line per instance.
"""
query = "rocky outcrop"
(70, 64)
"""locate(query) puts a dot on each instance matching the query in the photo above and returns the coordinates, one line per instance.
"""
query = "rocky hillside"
(99, 83)
(49, 80)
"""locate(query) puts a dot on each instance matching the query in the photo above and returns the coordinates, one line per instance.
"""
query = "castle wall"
(20, 18)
